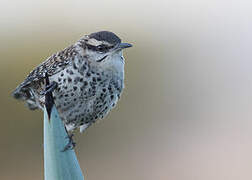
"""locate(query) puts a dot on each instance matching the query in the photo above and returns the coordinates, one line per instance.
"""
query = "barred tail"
(25, 94)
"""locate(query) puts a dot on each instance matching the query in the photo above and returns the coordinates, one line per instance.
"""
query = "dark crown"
(106, 36)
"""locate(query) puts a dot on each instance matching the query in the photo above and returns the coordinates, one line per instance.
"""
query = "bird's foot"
(71, 144)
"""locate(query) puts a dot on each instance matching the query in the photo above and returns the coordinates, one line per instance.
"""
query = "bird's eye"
(102, 48)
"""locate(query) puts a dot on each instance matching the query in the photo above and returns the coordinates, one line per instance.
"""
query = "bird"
(86, 80)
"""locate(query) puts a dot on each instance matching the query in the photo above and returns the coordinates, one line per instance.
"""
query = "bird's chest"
(85, 94)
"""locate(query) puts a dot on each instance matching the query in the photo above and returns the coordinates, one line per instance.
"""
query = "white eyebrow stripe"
(106, 43)
(94, 42)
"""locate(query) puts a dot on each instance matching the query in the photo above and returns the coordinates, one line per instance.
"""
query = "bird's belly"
(82, 99)
(86, 111)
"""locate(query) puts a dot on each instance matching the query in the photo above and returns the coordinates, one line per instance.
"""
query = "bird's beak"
(124, 45)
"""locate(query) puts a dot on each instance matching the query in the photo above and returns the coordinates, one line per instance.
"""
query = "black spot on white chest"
(85, 96)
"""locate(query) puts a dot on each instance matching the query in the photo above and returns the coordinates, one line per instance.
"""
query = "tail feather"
(20, 93)
(24, 94)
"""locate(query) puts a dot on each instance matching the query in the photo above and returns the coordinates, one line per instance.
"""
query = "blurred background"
(186, 110)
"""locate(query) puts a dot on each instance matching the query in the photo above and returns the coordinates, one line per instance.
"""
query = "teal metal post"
(58, 165)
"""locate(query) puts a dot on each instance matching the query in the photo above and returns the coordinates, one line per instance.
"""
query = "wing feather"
(52, 65)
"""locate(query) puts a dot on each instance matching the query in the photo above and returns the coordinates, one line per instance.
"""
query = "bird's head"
(103, 46)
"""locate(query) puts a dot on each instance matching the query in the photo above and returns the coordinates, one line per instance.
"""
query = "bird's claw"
(70, 145)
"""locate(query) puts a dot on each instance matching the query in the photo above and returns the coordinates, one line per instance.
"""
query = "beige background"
(186, 110)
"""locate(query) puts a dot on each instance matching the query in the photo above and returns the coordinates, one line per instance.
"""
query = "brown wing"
(52, 65)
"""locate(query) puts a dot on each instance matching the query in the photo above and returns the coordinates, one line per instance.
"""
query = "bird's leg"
(71, 144)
